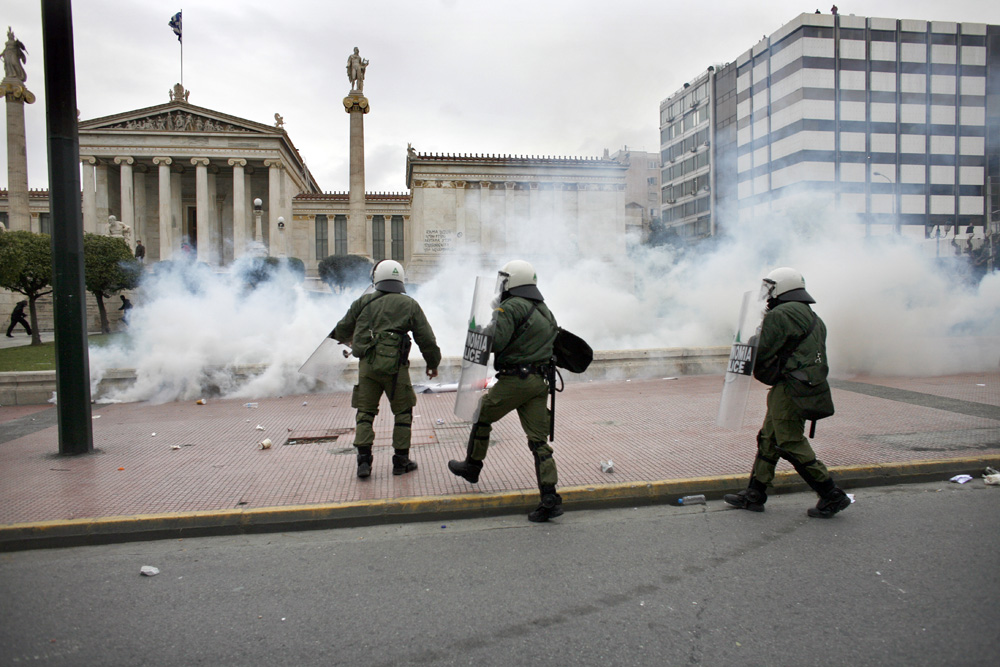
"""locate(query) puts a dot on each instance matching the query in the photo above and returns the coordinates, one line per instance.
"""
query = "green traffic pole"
(68, 287)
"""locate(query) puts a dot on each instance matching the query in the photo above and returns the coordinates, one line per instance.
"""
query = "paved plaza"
(185, 468)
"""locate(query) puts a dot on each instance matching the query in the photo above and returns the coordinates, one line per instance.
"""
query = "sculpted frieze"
(176, 121)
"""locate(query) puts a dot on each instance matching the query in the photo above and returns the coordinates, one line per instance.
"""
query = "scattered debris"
(851, 496)
(121, 468)
(175, 446)
(154, 435)
(440, 421)
(607, 466)
(698, 499)
(670, 378)
(53, 399)
(96, 417)
(250, 405)
(200, 401)
(149, 571)
(437, 388)
(961, 479)
(259, 427)
(265, 443)
(305, 403)
(991, 476)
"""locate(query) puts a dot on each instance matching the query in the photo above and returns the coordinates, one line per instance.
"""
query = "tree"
(109, 268)
(341, 272)
(26, 261)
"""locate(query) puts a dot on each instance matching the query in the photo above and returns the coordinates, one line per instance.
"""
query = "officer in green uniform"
(522, 344)
(377, 327)
(792, 342)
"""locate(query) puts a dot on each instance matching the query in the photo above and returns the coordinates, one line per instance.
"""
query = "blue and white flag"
(175, 23)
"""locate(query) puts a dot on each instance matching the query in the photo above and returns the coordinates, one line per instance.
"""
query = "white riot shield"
(739, 370)
(474, 380)
(327, 362)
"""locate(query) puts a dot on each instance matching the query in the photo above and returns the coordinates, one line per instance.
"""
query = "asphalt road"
(908, 575)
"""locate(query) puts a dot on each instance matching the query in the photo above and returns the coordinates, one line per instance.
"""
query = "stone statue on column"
(14, 57)
(356, 66)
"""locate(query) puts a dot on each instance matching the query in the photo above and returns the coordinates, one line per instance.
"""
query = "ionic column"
(139, 232)
(89, 195)
(17, 95)
(358, 231)
(101, 196)
(274, 175)
(202, 206)
(239, 207)
(166, 211)
(128, 192)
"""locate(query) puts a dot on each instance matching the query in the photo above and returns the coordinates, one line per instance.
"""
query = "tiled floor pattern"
(652, 429)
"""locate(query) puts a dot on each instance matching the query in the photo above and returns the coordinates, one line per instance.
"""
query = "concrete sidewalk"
(182, 469)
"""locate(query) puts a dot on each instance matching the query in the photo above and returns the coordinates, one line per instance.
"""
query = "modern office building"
(893, 120)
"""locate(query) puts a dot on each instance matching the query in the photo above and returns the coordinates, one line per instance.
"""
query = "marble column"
(19, 211)
(89, 194)
(239, 207)
(274, 176)
(101, 196)
(358, 231)
(202, 204)
(127, 192)
(139, 198)
(166, 211)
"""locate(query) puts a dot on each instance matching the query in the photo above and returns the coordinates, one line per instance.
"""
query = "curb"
(111, 530)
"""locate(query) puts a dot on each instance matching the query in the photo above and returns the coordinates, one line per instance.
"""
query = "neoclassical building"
(186, 177)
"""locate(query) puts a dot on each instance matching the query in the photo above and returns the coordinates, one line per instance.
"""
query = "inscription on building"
(439, 240)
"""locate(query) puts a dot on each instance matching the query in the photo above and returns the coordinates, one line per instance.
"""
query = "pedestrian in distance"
(524, 333)
(791, 357)
(377, 327)
(17, 317)
(126, 309)
(140, 252)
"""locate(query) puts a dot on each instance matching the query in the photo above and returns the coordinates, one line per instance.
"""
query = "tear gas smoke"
(889, 305)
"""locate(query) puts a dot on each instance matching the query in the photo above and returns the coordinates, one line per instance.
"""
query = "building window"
(4, 219)
(397, 238)
(378, 237)
(340, 235)
(322, 237)
(45, 223)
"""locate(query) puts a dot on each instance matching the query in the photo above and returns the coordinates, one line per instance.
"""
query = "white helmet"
(388, 276)
(519, 278)
(786, 284)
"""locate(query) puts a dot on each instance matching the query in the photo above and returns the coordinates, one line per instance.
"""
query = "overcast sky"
(539, 77)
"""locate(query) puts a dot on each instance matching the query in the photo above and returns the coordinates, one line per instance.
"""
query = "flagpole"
(182, 50)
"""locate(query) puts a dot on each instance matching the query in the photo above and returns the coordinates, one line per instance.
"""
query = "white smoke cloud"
(889, 305)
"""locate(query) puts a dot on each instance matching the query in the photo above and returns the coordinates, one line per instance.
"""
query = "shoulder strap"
(380, 295)
(520, 328)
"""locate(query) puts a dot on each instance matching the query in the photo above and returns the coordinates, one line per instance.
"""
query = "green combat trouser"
(366, 396)
(527, 396)
(782, 436)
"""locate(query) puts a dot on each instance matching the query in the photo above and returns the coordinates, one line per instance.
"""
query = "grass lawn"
(43, 357)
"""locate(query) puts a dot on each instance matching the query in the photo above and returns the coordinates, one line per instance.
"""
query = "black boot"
(752, 498)
(467, 469)
(364, 462)
(401, 463)
(830, 504)
(549, 508)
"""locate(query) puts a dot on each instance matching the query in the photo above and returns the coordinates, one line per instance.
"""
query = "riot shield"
(739, 370)
(473, 382)
(327, 362)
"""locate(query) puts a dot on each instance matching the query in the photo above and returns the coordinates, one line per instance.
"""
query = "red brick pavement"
(652, 429)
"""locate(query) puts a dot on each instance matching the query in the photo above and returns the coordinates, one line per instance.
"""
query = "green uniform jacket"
(386, 311)
(806, 370)
(534, 344)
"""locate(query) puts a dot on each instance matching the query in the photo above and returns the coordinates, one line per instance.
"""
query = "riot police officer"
(524, 332)
(791, 356)
(377, 327)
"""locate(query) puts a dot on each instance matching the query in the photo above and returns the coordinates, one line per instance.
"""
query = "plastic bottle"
(692, 500)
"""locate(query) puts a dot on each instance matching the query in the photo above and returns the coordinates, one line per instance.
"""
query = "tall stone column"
(139, 231)
(17, 154)
(127, 191)
(239, 207)
(166, 213)
(274, 176)
(101, 196)
(356, 105)
(201, 202)
(89, 195)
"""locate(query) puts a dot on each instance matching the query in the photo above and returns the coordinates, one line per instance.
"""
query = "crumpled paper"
(961, 479)
(149, 571)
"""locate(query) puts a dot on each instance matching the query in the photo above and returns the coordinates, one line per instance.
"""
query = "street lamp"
(258, 211)
(895, 218)
(281, 233)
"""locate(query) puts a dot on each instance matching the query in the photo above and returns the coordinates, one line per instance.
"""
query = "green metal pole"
(69, 292)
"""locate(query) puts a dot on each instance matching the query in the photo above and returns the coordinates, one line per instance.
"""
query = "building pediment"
(177, 117)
